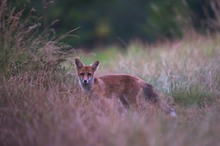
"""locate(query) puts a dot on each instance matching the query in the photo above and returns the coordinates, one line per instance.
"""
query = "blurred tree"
(165, 19)
(112, 21)
(205, 15)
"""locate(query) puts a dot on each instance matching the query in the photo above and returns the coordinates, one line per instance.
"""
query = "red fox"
(126, 87)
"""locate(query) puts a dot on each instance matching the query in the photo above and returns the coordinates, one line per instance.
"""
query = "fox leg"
(165, 107)
(124, 102)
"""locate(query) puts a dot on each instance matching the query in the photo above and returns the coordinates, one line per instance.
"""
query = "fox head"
(86, 73)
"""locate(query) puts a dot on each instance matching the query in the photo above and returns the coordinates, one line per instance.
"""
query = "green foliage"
(163, 21)
(110, 21)
(192, 97)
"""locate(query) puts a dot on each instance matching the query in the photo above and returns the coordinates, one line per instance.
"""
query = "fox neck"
(87, 87)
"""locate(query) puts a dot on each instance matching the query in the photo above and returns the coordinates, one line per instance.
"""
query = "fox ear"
(78, 63)
(95, 65)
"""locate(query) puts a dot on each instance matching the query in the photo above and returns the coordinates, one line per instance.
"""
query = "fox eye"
(89, 74)
(81, 74)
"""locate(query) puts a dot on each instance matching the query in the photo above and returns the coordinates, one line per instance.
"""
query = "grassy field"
(41, 107)
(41, 103)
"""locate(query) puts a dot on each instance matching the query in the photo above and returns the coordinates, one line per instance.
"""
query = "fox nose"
(85, 81)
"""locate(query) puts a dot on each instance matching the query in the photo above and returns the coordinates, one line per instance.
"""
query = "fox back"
(126, 87)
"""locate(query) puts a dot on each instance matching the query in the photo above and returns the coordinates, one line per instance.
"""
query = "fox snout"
(85, 81)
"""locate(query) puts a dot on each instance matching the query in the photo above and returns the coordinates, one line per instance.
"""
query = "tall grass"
(23, 45)
(41, 103)
(187, 70)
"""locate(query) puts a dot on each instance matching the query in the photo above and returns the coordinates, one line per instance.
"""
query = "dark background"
(110, 22)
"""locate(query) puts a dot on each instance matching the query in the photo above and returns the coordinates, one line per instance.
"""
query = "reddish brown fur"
(125, 87)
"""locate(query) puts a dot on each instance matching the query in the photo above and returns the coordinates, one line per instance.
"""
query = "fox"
(126, 87)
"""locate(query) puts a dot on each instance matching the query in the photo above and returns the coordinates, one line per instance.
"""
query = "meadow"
(41, 103)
